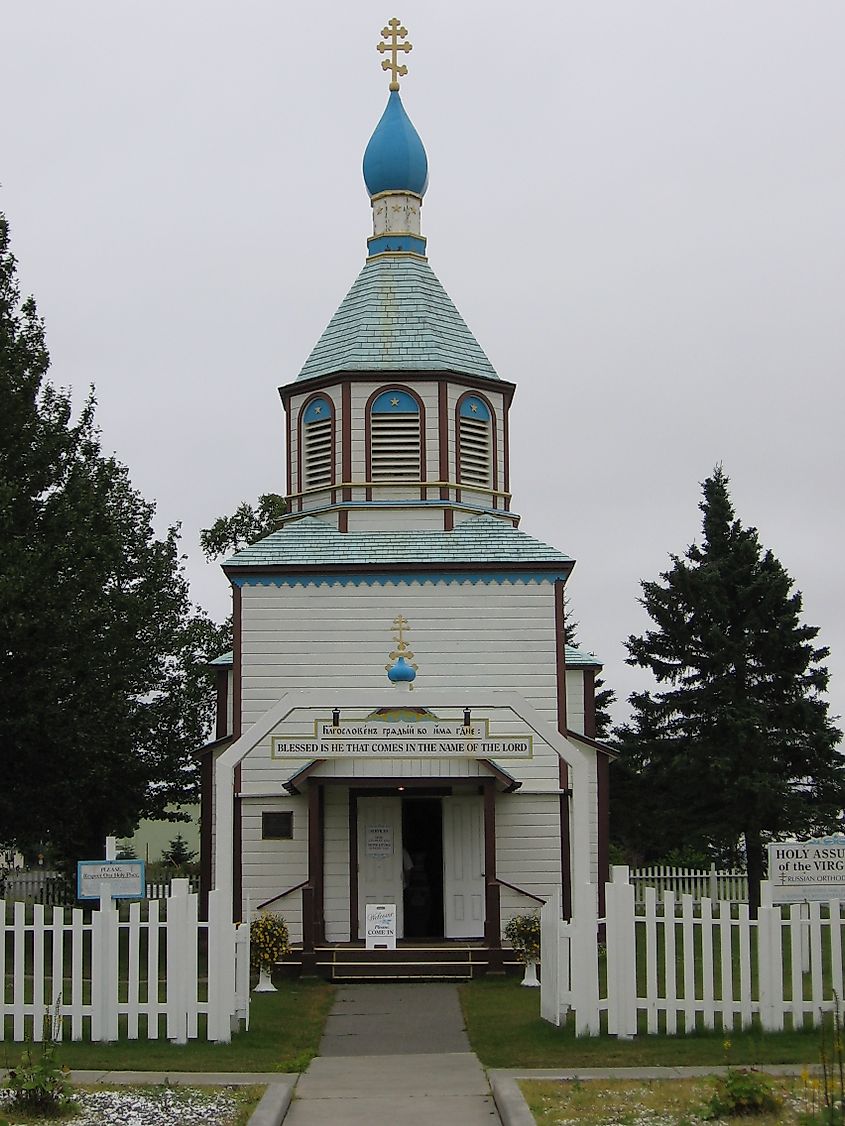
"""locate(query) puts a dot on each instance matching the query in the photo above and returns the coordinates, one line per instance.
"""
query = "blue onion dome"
(401, 671)
(395, 159)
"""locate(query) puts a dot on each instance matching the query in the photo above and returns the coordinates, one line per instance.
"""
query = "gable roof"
(480, 540)
(397, 317)
(580, 658)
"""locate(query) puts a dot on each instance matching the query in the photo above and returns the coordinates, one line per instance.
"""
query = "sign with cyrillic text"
(378, 739)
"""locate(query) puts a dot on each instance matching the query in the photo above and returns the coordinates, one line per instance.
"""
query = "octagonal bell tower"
(397, 420)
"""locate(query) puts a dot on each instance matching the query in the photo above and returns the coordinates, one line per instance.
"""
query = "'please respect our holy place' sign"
(380, 738)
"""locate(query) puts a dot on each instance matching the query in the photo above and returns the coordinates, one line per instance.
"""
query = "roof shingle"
(397, 317)
(314, 542)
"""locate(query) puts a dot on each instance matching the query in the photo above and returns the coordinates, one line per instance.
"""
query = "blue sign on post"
(120, 879)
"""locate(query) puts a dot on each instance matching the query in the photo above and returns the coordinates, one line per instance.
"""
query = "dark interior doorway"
(422, 867)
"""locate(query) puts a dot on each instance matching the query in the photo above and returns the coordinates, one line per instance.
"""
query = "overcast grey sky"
(637, 205)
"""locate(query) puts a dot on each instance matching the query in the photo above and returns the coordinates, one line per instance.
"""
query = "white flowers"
(165, 1106)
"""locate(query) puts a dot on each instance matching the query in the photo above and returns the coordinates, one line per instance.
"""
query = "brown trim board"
(390, 377)
(560, 678)
(443, 436)
(346, 436)
(563, 567)
(221, 725)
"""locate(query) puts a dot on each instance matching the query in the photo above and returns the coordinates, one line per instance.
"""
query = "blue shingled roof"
(579, 658)
(314, 542)
(397, 317)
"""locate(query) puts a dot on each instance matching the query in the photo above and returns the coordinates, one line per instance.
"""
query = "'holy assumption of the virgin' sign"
(379, 738)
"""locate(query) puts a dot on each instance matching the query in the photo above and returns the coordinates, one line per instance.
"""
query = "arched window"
(475, 442)
(395, 437)
(318, 443)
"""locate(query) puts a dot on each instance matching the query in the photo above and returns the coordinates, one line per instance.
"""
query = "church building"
(401, 721)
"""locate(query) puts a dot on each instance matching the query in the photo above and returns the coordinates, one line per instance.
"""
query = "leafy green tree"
(247, 524)
(737, 747)
(98, 640)
(229, 534)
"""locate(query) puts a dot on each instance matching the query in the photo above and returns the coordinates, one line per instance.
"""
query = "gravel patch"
(167, 1106)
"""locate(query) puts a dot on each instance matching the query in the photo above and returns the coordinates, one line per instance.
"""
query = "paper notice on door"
(379, 842)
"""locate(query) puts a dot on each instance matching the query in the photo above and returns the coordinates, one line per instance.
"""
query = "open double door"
(425, 855)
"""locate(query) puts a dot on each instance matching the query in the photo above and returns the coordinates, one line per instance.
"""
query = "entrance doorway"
(425, 854)
(422, 867)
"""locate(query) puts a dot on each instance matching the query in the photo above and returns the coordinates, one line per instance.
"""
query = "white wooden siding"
(575, 700)
(270, 867)
(392, 519)
(527, 848)
(478, 635)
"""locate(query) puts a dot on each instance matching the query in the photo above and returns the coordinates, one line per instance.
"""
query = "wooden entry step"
(432, 962)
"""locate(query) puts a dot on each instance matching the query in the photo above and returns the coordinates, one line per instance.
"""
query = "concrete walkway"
(394, 1054)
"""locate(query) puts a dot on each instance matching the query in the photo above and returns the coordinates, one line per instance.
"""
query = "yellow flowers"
(523, 933)
(268, 940)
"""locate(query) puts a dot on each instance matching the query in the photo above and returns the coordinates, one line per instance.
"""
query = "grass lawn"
(505, 1030)
(284, 1034)
(655, 1101)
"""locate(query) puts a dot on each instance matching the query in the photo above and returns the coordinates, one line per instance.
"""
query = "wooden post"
(621, 956)
(492, 920)
(312, 895)
(178, 937)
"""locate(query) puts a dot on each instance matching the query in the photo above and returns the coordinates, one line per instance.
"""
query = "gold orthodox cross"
(400, 624)
(393, 33)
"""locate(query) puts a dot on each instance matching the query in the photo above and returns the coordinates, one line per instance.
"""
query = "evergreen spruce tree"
(736, 748)
(102, 701)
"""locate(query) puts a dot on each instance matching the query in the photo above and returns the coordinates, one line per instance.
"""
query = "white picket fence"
(730, 885)
(678, 967)
(74, 973)
(162, 890)
(39, 885)
(51, 889)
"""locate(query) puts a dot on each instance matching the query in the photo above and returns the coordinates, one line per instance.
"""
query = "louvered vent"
(476, 452)
(475, 440)
(395, 443)
(318, 444)
(395, 447)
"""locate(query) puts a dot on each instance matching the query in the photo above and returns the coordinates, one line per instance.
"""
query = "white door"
(463, 867)
(380, 857)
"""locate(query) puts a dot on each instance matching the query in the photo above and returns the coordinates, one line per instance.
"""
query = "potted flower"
(268, 942)
(523, 933)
